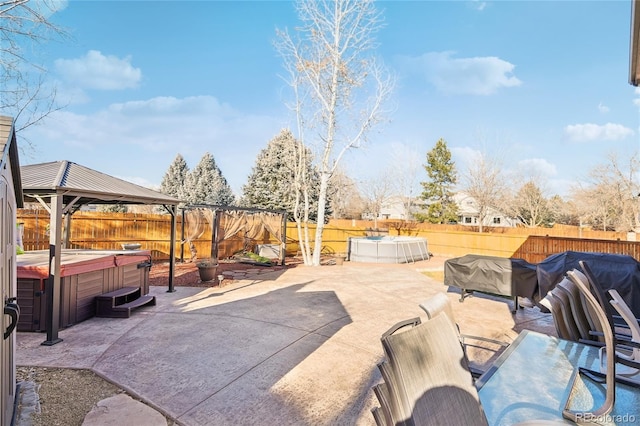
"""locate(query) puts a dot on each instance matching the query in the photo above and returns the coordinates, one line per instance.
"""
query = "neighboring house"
(10, 200)
(395, 207)
(468, 213)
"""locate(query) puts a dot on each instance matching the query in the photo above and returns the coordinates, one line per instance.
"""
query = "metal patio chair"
(427, 377)
(440, 303)
(606, 324)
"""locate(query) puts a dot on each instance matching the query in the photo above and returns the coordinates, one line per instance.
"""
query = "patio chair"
(389, 408)
(610, 371)
(440, 303)
(632, 353)
(559, 312)
(567, 313)
(382, 415)
(576, 304)
(626, 344)
(619, 327)
(431, 382)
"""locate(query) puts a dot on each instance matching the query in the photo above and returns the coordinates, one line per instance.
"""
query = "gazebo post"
(182, 237)
(54, 281)
(283, 246)
(215, 234)
(172, 247)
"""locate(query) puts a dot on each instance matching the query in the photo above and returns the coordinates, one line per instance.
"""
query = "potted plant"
(207, 269)
(339, 258)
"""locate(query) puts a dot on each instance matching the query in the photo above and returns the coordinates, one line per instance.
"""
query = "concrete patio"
(298, 346)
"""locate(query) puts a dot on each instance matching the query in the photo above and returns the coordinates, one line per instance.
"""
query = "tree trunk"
(322, 202)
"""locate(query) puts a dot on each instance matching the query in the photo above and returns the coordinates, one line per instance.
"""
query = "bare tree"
(530, 205)
(564, 212)
(339, 86)
(486, 184)
(346, 201)
(377, 191)
(611, 198)
(24, 93)
(405, 166)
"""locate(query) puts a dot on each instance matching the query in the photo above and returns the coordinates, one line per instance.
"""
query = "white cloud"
(97, 71)
(537, 167)
(465, 156)
(140, 139)
(478, 5)
(156, 124)
(473, 76)
(603, 108)
(636, 101)
(590, 132)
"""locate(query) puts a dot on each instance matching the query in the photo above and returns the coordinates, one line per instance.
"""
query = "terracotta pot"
(207, 273)
(340, 260)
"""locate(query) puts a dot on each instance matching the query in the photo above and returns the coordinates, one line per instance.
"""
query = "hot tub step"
(124, 311)
(119, 303)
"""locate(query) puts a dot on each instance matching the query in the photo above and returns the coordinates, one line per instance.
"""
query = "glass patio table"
(532, 381)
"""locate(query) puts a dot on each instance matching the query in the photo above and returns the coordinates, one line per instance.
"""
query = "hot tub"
(84, 274)
(388, 249)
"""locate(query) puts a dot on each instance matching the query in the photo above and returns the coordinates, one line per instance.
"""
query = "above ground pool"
(387, 249)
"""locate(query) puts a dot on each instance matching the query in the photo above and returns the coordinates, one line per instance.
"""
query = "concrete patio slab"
(300, 347)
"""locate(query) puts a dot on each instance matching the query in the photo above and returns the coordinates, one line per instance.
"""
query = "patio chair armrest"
(591, 342)
(484, 339)
(618, 336)
(628, 362)
(620, 322)
(629, 344)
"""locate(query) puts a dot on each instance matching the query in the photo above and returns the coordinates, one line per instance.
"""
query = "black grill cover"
(491, 274)
(617, 271)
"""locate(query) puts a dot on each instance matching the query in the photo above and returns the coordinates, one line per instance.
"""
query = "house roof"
(87, 185)
(9, 153)
(634, 54)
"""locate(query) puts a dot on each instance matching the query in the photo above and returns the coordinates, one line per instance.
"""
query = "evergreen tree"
(174, 180)
(206, 185)
(271, 182)
(113, 208)
(438, 190)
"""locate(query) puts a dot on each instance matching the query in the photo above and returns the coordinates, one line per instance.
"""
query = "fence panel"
(536, 248)
(107, 231)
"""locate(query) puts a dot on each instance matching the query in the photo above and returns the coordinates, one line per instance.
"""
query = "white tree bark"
(339, 87)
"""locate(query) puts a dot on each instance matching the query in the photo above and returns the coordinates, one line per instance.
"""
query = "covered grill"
(491, 274)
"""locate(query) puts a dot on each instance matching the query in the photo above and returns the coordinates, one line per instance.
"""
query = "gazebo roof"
(74, 181)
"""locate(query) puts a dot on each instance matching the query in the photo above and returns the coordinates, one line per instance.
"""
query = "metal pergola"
(217, 212)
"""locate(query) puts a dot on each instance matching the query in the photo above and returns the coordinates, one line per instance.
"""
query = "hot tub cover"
(491, 274)
(617, 271)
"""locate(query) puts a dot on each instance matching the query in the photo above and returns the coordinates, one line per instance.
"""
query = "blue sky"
(541, 86)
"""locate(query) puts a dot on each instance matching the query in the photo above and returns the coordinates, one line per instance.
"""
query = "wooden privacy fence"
(108, 231)
(101, 231)
(536, 248)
